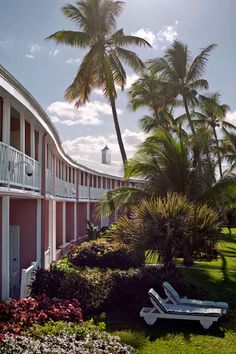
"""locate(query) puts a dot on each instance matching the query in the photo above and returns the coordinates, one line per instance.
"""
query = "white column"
(6, 121)
(5, 248)
(63, 223)
(75, 221)
(88, 211)
(38, 231)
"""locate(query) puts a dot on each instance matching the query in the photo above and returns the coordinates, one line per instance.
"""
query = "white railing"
(47, 259)
(91, 193)
(65, 189)
(17, 176)
(27, 276)
(49, 182)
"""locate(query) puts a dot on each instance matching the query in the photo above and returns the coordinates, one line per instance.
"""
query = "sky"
(47, 69)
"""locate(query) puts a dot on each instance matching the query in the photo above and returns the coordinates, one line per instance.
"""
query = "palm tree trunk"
(188, 116)
(218, 152)
(117, 127)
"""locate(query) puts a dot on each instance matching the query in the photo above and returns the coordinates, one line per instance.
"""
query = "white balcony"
(65, 189)
(16, 177)
(91, 193)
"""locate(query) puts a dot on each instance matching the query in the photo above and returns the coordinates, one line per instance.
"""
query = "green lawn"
(185, 336)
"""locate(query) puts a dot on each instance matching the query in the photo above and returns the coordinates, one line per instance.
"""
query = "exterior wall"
(59, 223)
(23, 213)
(69, 221)
(82, 217)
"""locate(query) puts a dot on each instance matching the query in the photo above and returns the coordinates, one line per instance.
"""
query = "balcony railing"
(91, 193)
(16, 176)
(65, 189)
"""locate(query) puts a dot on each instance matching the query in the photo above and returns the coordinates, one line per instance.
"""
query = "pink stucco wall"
(59, 223)
(23, 213)
(69, 221)
(81, 217)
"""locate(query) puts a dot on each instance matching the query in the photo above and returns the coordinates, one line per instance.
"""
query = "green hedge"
(101, 289)
(103, 254)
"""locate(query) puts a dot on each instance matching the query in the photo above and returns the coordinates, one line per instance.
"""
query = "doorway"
(14, 261)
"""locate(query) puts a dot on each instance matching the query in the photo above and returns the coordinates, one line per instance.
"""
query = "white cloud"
(34, 48)
(169, 33)
(166, 35)
(130, 80)
(146, 34)
(30, 56)
(231, 117)
(7, 42)
(89, 147)
(88, 114)
(73, 61)
(53, 53)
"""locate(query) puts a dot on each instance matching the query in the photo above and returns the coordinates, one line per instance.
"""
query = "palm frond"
(199, 64)
(72, 38)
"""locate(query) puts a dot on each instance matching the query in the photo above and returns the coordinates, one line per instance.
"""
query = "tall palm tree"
(149, 91)
(182, 75)
(101, 66)
(212, 114)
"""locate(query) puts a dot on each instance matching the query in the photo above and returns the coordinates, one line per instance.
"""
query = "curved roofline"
(49, 125)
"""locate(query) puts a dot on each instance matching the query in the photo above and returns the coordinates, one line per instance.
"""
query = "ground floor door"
(14, 260)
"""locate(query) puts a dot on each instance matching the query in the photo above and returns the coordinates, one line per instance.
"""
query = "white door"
(14, 261)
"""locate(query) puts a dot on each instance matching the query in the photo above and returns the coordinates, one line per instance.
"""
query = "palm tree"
(149, 91)
(182, 75)
(167, 163)
(228, 148)
(212, 114)
(101, 66)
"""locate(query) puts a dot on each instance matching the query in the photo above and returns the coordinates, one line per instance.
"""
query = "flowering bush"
(93, 342)
(17, 315)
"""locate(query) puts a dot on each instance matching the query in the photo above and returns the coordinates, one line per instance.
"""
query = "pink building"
(45, 196)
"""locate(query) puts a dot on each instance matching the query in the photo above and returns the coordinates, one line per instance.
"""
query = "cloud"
(88, 114)
(53, 53)
(30, 56)
(231, 117)
(169, 33)
(130, 80)
(7, 42)
(34, 48)
(89, 147)
(165, 35)
(146, 34)
(73, 61)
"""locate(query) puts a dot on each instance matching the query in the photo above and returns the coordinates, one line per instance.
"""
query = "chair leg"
(206, 323)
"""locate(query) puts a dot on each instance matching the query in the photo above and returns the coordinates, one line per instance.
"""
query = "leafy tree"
(183, 76)
(101, 66)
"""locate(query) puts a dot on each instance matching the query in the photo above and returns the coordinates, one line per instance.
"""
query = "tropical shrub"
(103, 254)
(17, 315)
(106, 289)
(168, 227)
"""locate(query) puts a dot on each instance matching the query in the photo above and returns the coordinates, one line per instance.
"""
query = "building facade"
(45, 196)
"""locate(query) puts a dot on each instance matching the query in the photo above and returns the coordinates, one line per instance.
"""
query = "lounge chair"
(161, 309)
(174, 298)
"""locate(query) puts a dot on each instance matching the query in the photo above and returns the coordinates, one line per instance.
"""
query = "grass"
(218, 280)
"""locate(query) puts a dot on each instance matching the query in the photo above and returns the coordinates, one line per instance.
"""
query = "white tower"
(106, 155)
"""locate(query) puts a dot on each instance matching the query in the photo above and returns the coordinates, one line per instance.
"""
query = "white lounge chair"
(161, 309)
(174, 298)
